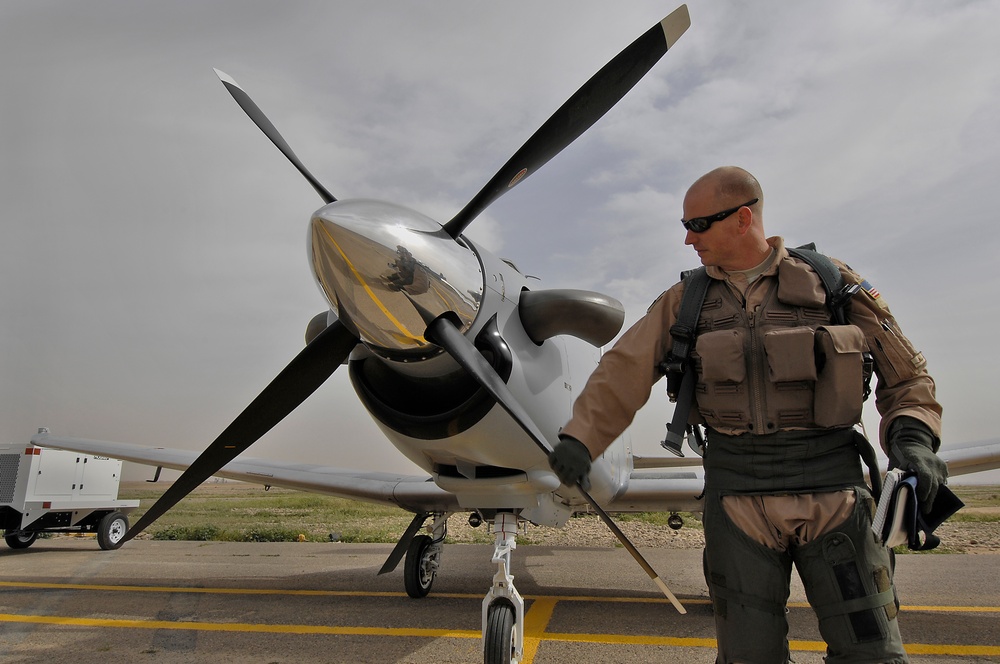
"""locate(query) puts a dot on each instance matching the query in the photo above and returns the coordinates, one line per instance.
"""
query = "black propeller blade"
(579, 113)
(442, 331)
(259, 119)
(291, 387)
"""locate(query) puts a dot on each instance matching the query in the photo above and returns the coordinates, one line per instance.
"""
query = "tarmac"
(154, 601)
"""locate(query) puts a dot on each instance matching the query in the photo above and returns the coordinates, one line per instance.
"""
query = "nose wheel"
(498, 639)
(503, 607)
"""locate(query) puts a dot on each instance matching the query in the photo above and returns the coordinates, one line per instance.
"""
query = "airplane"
(467, 367)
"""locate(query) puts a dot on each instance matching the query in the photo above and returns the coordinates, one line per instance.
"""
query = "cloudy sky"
(153, 273)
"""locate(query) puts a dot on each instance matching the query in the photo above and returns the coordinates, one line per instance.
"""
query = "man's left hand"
(911, 445)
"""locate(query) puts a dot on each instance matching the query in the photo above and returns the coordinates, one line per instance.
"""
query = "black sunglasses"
(702, 224)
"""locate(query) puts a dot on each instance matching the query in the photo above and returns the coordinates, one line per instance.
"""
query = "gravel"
(956, 537)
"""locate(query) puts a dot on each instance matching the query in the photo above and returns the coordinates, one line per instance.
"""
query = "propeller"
(259, 119)
(303, 376)
(442, 331)
(578, 114)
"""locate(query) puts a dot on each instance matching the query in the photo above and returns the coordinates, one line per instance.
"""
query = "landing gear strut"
(503, 607)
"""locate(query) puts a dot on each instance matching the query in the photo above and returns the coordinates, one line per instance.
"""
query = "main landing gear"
(423, 558)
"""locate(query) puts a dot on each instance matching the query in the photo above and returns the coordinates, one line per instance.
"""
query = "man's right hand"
(570, 460)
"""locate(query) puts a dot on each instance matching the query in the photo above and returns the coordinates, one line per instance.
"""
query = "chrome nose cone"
(374, 261)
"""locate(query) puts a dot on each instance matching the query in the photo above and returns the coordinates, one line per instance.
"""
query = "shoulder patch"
(875, 295)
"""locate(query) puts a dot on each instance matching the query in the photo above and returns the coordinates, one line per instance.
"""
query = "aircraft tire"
(499, 641)
(418, 577)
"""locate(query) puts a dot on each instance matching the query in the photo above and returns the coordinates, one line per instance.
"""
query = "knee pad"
(860, 598)
(848, 577)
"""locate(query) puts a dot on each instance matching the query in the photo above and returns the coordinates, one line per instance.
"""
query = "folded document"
(898, 519)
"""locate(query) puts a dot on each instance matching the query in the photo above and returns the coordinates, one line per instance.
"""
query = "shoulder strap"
(680, 383)
(684, 328)
(838, 292)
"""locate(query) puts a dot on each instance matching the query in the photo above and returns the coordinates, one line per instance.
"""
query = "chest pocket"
(720, 356)
(790, 354)
(840, 384)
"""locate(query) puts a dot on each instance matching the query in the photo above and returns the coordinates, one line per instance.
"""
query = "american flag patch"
(871, 289)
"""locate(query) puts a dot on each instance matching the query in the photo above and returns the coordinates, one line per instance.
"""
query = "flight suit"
(779, 389)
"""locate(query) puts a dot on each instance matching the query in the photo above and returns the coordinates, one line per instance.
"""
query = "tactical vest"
(785, 366)
(785, 382)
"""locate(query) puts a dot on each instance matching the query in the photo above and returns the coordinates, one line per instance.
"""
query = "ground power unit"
(54, 491)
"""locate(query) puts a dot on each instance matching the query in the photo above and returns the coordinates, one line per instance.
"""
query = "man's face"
(719, 244)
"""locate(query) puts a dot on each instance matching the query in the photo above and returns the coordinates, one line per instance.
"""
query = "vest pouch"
(840, 381)
(790, 354)
(721, 356)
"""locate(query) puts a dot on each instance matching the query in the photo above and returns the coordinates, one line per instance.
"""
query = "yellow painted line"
(325, 630)
(536, 619)
(371, 293)
(240, 627)
(606, 639)
(207, 591)
(636, 640)
(953, 609)
(355, 593)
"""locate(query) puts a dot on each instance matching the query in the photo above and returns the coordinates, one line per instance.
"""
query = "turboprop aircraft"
(467, 367)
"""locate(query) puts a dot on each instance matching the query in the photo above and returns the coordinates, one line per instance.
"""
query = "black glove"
(570, 459)
(911, 447)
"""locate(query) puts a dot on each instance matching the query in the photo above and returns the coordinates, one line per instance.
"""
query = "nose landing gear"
(503, 606)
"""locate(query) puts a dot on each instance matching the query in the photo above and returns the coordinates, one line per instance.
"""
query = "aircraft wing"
(972, 458)
(411, 492)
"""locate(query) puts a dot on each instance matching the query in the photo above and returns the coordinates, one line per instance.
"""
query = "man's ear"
(744, 219)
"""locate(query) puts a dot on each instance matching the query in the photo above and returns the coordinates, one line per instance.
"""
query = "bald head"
(737, 240)
(730, 185)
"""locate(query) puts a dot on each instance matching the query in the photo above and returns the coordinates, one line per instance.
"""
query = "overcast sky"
(153, 274)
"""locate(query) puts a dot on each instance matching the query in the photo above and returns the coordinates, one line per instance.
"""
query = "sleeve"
(904, 387)
(622, 382)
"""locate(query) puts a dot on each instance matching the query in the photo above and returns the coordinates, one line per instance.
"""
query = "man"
(779, 391)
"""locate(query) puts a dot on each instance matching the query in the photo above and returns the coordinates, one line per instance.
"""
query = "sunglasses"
(702, 224)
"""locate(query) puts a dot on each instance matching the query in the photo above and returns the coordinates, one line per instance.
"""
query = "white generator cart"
(54, 491)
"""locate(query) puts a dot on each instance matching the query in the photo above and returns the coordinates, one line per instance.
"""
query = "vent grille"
(9, 464)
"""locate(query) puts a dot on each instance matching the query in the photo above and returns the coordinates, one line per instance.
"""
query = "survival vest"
(681, 382)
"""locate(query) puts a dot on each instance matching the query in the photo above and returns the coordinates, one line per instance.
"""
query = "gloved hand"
(911, 447)
(570, 459)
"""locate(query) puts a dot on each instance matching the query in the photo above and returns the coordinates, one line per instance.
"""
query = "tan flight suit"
(774, 371)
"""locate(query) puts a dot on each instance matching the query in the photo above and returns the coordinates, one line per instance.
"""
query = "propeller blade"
(259, 119)
(291, 387)
(442, 331)
(579, 113)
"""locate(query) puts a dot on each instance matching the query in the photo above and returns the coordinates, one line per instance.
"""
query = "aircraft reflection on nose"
(374, 261)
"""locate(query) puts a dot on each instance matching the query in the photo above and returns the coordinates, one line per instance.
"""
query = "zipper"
(758, 361)
(754, 363)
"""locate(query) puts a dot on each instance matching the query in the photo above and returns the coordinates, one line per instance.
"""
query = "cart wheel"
(20, 539)
(111, 531)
